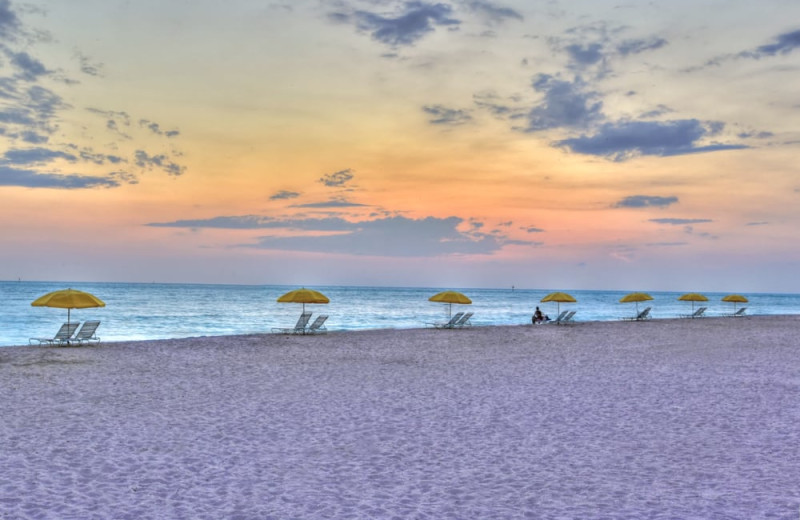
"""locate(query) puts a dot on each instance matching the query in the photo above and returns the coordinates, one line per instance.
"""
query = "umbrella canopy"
(450, 297)
(693, 297)
(68, 299)
(559, 298)
(735, 298)
(636, 297)
(303, 296)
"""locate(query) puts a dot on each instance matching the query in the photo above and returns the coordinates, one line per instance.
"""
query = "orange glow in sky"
(558, 145)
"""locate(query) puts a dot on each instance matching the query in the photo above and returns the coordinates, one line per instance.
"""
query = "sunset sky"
(582, 144)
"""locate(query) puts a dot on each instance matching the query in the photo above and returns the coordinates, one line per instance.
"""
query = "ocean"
(141, 311)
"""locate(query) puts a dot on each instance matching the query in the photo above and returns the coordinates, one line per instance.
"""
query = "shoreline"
(578, 323)
(597, 419)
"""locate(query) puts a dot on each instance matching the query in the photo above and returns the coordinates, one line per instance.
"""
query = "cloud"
(534, 230)
(284, 195)
(680, 221)
(414, 21)
(28, 179)
(584, 55)
(334, 203)
(29, 68)
(491, 13)
(156, 128)
(446, 116)
(783, 44)
(87, 67)
(161, 161)
(386, 236)
(764, 223)
(565, 104)
(9, 23)
(395, 236)
(624, 140)
(337, 179)
(261, 222)
(637, 46)
(646, 201)
(35, 156)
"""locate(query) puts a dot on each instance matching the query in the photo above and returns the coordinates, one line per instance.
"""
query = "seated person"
(538, 317)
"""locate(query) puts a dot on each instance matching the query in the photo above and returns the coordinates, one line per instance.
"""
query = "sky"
(582, 144)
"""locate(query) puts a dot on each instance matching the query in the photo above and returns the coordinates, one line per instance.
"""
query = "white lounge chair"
(449, 324)
(86, 334)
(464, 321)
(318, 327)
(299, 328)
(566, 320)
(738, 313)
(62, 336)
(644, 315)
(696, 314)
(559, 319)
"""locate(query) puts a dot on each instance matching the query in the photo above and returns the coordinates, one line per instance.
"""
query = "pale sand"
(662, 419)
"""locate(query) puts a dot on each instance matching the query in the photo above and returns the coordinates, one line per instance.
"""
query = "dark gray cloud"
(29, 68)
(783, 44)
(646, 201)
(499, 107)
(763, 223)
(492, 13)
(637, 46)
(627, 139)
(334, 203)
(337, 179)
(565, 104)
(260, 222)
(160, 161)
(395, 236)
(386, 236)
(9, 23)
(534, 230)
(28, 179)
(441, 115)
(30, 156)
(156, 128)
(680, 221)
(284, 195)
(412, 22)
(585, 54)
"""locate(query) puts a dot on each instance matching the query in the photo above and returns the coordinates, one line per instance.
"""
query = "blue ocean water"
(136, 311)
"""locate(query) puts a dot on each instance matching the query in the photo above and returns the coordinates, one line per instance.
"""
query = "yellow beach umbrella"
(303, 296)
(693, 297)
(636, 297)
(735, 298)
(68, 299)
(559, 298)
(450, 297)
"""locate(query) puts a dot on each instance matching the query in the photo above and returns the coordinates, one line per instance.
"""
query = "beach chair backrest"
(302, 321)
(455, 318)
(644, 314)
(318, 322)
(561, 317)
(464, 319)
(87, 330)
(66, 331)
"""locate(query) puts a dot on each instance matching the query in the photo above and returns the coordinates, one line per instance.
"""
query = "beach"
(671, 418)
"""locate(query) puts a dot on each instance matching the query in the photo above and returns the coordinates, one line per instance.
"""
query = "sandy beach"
(659, 419)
